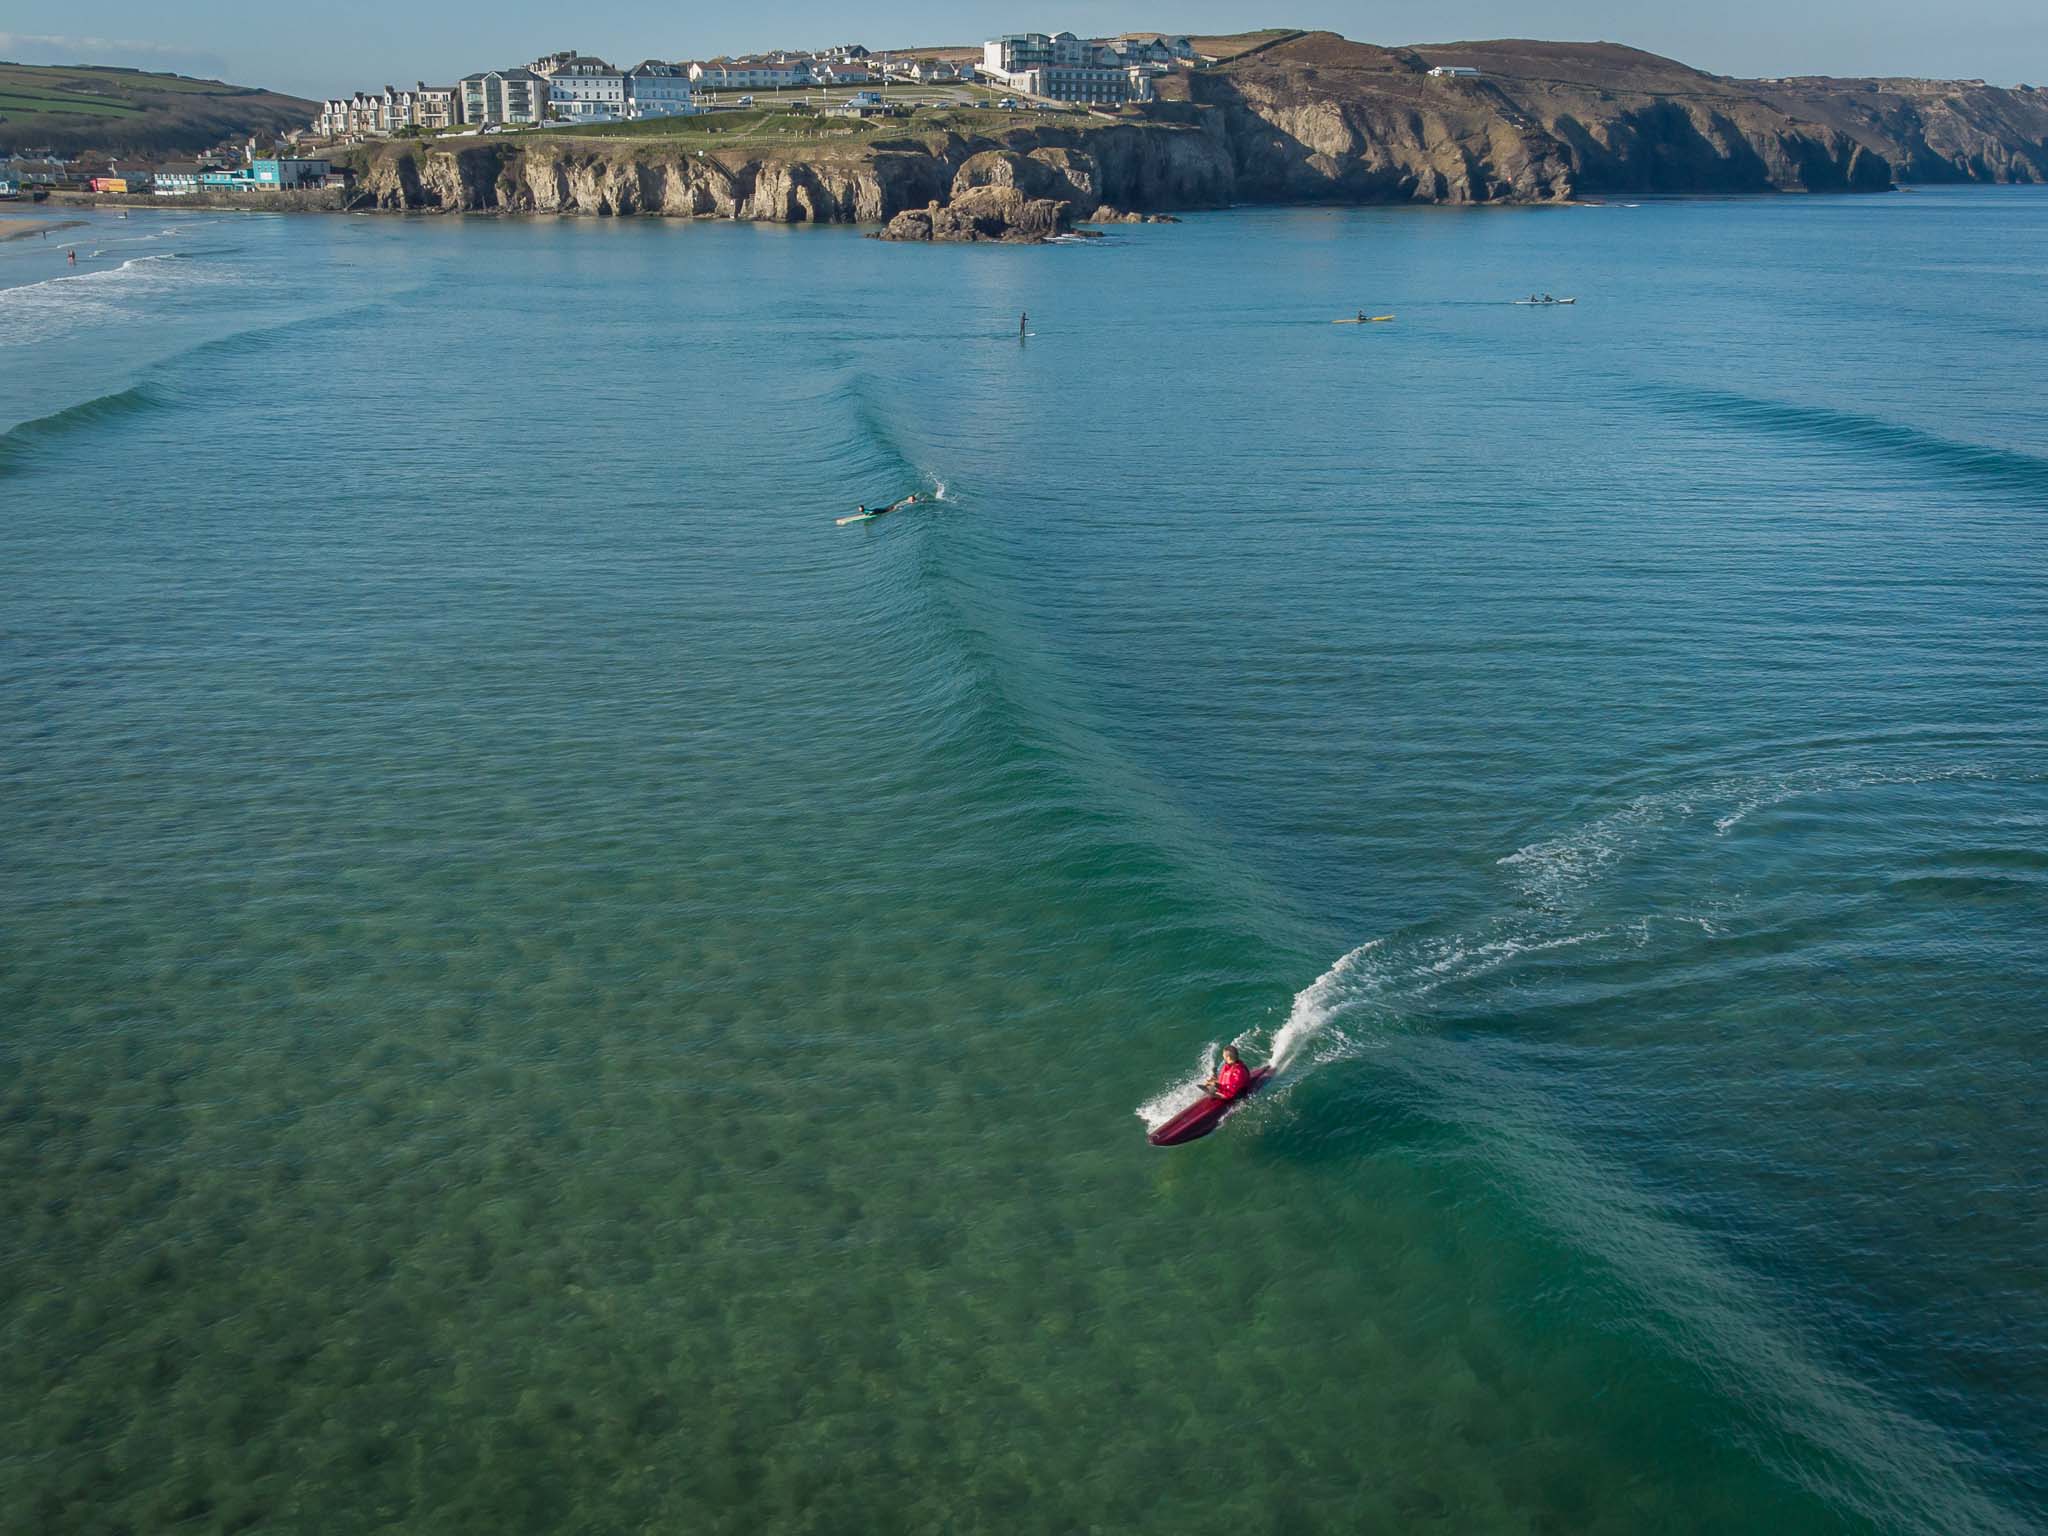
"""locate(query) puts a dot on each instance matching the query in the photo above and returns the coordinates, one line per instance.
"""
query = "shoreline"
(361, 203)
(20, 226)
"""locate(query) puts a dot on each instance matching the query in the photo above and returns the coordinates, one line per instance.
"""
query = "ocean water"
(546, 986)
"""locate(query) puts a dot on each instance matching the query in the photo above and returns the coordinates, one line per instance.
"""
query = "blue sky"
(373, 42)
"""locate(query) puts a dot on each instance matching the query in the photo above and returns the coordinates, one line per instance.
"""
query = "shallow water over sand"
(545, 985)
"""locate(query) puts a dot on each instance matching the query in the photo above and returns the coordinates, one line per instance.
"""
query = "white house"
(1455, 72)
(586, 90)
(843, 72)
(750, 75)
(655, 89)
(859, 104)
(928, 71)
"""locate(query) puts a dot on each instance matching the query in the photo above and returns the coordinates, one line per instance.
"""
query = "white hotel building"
(1063, 67)
(583, 89)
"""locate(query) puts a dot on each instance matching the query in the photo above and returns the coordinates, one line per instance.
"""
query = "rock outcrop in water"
(984, 213)
(1310, 117)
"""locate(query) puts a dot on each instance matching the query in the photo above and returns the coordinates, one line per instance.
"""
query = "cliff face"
(549, 177)
(1140, 165)
(1933, 130)
(1318, 116)
(1321, 119)
(1309, 118)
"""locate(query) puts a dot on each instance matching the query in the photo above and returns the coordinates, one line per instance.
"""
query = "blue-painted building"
(269, 176)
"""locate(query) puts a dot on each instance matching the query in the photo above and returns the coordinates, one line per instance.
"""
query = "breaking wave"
(55, 306)
(1387, 984)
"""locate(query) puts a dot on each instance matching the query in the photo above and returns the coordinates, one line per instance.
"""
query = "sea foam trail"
(1403, 976)
(1315, 1005)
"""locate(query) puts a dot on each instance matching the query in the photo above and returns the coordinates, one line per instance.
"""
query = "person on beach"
(1231, 1077)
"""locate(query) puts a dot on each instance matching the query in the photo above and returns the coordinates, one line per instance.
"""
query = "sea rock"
(985, 213)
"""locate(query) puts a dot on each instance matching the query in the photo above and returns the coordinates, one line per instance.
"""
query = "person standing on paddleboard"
(1231, 1077)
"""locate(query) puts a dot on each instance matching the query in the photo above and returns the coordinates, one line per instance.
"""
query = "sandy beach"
(25, 226)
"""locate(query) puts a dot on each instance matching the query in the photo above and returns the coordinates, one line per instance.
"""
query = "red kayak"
(1205, 1114)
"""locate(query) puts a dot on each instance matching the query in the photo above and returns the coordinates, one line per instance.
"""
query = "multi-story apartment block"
(498, 96)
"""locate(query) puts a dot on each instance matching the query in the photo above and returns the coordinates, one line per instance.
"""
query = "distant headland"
(1032, 133)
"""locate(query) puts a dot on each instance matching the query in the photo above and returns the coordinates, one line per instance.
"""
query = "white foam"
(1342, 987)
(1316, 1004)
(1773, 792)
(1395, 979)
(1171, 1100)
(54, 306)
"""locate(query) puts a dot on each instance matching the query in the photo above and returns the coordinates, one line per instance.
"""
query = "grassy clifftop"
(70, 108)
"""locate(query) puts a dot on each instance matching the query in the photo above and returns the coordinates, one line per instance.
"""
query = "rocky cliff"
(1142, 165)
(1318, 117)
(1932, 130)
(1310, 117)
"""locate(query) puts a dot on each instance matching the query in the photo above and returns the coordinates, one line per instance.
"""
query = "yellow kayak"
(1365, 320)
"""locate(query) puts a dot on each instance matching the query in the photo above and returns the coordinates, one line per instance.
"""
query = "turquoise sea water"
(545, 986)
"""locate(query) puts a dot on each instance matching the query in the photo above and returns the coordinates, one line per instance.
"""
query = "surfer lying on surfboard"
(864, 512)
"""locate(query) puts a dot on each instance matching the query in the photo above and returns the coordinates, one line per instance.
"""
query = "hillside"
(1317, 117)
(1287, 117)
(1626, 114)
(72, 108)
(1932, 130)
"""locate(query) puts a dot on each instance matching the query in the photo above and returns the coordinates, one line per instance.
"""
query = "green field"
(74, 108)
(788, 122)
(11, 101)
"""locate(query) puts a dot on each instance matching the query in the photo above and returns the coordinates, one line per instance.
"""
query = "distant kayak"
(861, 517)
(1367, 320)
(1205, 1114)
(1541, 302)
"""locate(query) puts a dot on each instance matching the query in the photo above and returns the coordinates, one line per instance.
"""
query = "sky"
(377, 42)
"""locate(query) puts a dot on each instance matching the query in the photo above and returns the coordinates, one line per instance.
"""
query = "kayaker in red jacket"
(1231, 1077)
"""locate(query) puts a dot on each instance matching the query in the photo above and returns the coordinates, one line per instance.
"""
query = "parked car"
(1008, 103)
(746, 101)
